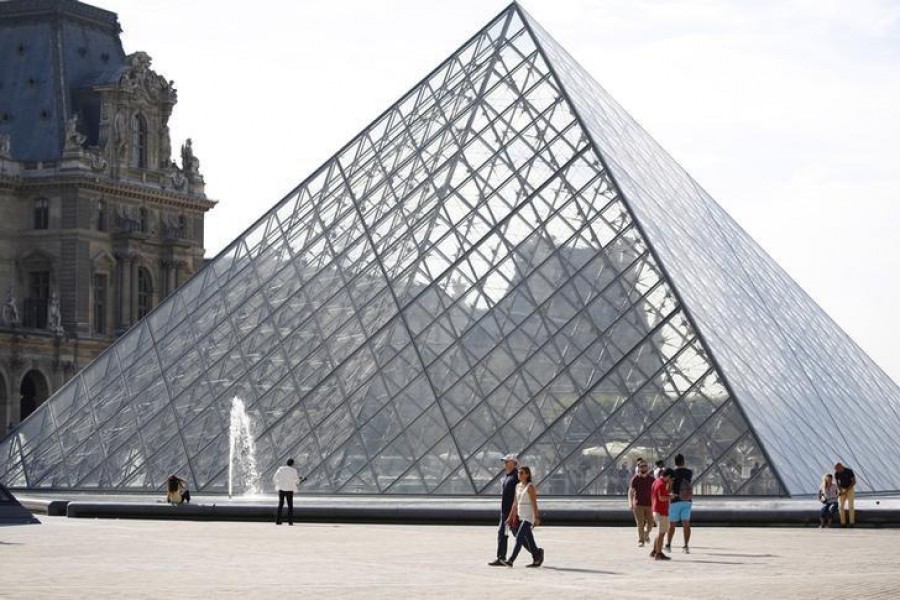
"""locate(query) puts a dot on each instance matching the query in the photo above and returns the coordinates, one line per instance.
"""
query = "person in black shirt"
(846, 483)
(508, 490)
(680, 508)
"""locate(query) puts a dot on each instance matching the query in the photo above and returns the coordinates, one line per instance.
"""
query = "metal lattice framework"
(503, 261)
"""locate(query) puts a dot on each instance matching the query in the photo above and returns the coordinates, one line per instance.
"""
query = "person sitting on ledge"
(828, 496)
(177, 490)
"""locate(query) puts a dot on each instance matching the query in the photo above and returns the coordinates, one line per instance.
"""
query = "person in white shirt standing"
(286, 480)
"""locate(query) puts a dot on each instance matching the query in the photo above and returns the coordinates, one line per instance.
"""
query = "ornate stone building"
(97, 222)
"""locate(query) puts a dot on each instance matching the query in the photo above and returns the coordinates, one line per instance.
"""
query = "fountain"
(241, 451)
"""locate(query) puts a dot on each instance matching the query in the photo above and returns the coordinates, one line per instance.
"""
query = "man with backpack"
(680, 508)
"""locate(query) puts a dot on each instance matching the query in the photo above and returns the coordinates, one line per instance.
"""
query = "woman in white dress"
(525, 513)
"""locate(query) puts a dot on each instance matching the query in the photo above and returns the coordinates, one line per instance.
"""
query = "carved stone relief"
(10, 312)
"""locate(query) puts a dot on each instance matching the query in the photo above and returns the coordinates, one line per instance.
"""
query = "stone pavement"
(84, 558)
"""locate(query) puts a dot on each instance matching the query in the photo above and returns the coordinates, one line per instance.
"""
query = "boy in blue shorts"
(680, 508)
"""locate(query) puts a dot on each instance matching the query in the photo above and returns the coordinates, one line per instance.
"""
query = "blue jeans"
(501, 537)
(829, 509)
(524, 537)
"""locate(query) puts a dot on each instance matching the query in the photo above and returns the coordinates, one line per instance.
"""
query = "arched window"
(144, 223)
(41, 213)
(33, 391)
(145, 293)
(138, 142)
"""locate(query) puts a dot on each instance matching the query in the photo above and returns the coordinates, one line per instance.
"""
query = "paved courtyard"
(82, 558)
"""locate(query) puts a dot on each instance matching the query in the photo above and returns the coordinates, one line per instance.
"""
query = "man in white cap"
(508, 490)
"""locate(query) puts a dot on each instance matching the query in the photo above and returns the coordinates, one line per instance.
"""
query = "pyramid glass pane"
(504, 261)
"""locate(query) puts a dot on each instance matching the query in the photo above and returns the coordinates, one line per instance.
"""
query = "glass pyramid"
(504, 261)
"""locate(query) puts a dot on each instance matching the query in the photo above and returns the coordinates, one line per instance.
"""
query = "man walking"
(508, 490)
(286, 480)
(682, 498)
(640, 501)
(846, 483)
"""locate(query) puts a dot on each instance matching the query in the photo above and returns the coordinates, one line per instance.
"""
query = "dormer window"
(139, 142)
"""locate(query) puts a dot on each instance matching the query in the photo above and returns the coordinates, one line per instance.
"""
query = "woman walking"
(525, 512)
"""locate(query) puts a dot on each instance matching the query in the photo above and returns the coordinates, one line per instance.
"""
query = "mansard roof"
(48, 48)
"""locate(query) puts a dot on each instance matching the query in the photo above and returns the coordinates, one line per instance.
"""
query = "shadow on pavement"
(573, 570)
(742, 555)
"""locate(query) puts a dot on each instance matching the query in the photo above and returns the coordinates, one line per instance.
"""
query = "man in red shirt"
(660, 498)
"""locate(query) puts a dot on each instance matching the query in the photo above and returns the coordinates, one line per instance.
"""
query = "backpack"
(685, 490)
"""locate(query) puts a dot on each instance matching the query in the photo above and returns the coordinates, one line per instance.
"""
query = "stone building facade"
(97, 222)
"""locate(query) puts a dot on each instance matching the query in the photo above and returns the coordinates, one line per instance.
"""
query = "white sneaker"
(686, 550)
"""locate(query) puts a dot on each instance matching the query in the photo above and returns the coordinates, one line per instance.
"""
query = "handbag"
(514, 522)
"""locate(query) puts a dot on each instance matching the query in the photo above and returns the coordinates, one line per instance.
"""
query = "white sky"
(786, 111)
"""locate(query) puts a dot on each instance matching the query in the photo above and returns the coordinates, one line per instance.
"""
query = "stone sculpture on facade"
(96, 160)
(177, 176)
(140, 77)
(54, 318)
(74, 139)
(121, 135)
(190, 163)
(10, 308)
